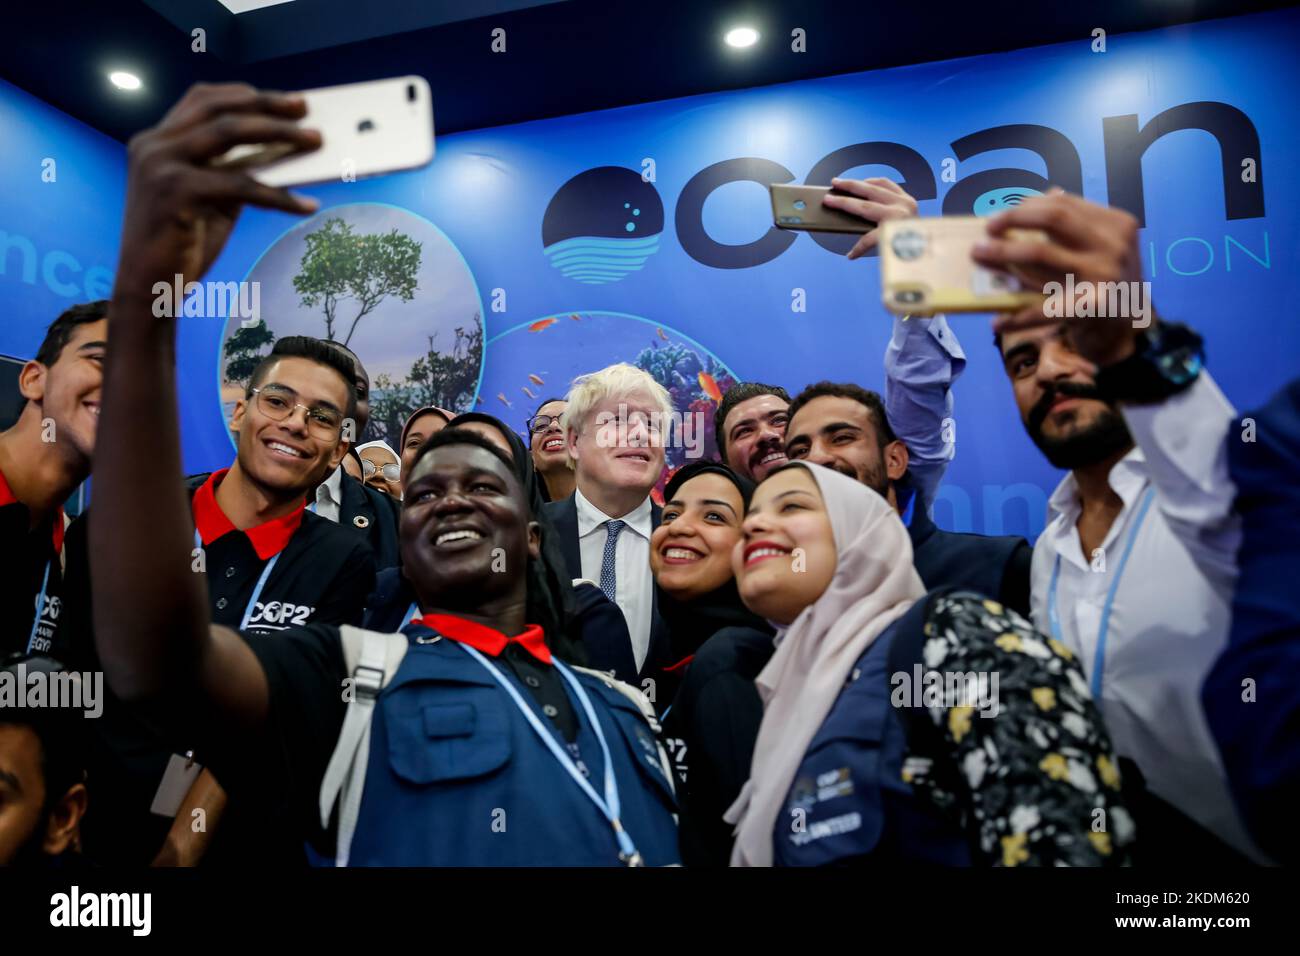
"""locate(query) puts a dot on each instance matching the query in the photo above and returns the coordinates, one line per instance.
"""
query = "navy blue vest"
(458, 777)
(848, 802)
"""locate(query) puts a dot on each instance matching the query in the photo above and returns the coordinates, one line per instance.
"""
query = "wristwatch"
(1168, 359)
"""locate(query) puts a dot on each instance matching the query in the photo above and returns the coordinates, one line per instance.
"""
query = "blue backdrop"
(1191, 128)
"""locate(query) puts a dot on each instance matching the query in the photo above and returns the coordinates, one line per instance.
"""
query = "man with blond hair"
(615, 425)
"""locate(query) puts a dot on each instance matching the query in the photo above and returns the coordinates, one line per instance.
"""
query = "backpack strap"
(371, 658)
(647, 711)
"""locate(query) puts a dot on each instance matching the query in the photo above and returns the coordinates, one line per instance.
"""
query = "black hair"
(873, 402)
(61, 329)
(315, 350)
(740, 392)
(58, 729)
(542, 404)
(358, 370)
(460, 436)
(704, 467)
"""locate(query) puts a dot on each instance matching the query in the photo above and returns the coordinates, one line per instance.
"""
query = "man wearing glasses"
(271, 565)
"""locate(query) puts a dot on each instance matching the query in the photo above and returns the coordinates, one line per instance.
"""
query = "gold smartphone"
(800, 207)
(926, 268)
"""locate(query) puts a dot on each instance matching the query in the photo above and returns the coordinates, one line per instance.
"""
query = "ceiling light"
(742, 37)
(125, 81)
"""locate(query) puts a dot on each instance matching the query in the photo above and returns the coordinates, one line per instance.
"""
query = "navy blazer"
(378, 514)
(996, 566)
(564, 517)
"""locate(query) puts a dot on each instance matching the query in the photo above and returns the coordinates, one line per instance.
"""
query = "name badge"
(179, 776)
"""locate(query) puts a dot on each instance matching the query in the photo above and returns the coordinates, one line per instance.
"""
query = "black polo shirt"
(320, 573)
(32, 572)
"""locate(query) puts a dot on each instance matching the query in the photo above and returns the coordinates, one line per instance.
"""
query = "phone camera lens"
(410, 92)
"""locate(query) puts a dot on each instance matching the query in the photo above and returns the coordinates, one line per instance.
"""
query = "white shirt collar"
(590, 517)
(1127, 477)
(333, 486)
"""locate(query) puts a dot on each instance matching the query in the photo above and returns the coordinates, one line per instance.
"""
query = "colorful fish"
(542, 324)
(502, 396)
(710, 387)
(527, 391)
(662, 334)
(535, 379)
(576, 317)
(478, 400)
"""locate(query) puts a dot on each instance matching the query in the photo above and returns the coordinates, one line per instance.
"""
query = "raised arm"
(922, 361)
(152, 627)
(1183, 435)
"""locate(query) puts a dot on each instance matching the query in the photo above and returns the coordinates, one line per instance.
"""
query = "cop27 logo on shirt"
(280, 613)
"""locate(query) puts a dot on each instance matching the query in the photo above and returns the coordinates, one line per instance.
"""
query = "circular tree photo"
(386, 284)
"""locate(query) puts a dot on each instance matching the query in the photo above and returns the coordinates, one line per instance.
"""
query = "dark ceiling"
(560, 57)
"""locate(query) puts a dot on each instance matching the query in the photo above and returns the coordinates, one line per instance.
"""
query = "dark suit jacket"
(1257, 733)
(564, 516)
(993, 565)
(379, 513)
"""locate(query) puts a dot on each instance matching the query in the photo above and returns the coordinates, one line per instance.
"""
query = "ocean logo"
(998, 200)
(602, 225)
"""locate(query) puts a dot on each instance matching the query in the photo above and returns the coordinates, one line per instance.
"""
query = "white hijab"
(380, 444)
(874, 584)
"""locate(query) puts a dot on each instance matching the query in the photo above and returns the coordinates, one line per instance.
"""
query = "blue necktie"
(608, 578)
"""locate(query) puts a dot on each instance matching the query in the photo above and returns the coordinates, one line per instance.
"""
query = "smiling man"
(270, 565)
(1135, 569)
(615, 426)
(846, 427)
(43, 458)
(266, 709)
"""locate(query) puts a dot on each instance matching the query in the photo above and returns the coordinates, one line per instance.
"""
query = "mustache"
(1043, 406)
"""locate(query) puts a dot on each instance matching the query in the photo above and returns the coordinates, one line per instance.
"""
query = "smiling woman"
(846, 771)
(717, 646)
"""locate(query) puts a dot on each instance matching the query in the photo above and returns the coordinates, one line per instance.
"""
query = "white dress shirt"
(329, 496)
(634, 582)
(1170, 614)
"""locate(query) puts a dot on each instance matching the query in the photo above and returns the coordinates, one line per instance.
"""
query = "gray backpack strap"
(371, 659)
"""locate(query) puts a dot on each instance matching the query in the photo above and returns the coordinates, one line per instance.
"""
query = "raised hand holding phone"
(877, 200)
(179, 209)
(1090, 250)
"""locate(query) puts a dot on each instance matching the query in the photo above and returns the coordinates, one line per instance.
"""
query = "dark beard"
(875, 478)
(1105, 438)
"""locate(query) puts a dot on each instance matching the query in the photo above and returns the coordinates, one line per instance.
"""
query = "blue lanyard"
(1053, 616)
(40, 604)
(257, 589)
(413, 612)
(610, 805)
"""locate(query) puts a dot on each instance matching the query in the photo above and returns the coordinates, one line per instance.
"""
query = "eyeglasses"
(278, 403)
(391, 472)
(539, 423)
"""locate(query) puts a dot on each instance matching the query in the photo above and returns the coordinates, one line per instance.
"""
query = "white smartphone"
(367, 129)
